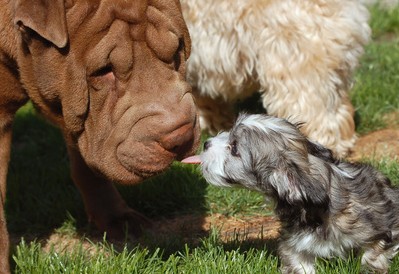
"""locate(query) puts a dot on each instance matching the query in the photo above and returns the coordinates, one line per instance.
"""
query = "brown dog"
(110, 74)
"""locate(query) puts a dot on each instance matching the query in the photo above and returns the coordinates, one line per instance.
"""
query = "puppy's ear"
(320, 151)
(45, 17)
(298, 188)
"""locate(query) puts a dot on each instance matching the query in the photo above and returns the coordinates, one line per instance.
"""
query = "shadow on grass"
(39, 189)
(43, 203)
(41, 195)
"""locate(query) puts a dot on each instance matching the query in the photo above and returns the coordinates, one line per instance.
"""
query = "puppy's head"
(266, 154)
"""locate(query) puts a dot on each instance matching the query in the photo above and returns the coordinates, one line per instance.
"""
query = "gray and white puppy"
(327, 207)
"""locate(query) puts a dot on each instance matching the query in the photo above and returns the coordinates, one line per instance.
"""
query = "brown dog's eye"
(102, 71)
(102, 78)
(234, 150)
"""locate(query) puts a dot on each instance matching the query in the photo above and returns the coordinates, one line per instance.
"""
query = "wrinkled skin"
(110, 74)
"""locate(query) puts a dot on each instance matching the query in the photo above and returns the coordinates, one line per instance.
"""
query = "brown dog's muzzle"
(180, 141)
(158, 139)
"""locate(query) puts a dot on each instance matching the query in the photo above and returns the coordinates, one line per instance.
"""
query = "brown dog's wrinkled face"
(117, 87)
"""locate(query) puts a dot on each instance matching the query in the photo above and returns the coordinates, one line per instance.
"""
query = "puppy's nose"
(207, 145)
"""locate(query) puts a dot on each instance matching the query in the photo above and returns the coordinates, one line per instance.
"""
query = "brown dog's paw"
(129, 223)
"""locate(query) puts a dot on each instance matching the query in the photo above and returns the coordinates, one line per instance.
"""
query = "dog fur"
(327, 207)
(111, 75)
(300, 55)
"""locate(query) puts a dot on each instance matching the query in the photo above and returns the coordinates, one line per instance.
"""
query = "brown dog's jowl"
(110, 74)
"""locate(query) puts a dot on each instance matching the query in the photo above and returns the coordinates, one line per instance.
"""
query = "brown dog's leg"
(4, 245)
(5, 143)
(104, 205)
(11, 98)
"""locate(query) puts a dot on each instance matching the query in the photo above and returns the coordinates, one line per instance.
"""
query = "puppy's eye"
(234, 150)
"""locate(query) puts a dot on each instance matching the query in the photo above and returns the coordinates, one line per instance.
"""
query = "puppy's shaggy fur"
(327, 207)
(299, 54)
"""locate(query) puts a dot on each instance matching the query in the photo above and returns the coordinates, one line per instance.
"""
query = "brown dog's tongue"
(196, 159)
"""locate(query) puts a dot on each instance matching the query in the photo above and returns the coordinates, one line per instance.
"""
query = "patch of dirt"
(377, 145)
(380, 144)
(229, 228)
(61, 243)
(188, 228)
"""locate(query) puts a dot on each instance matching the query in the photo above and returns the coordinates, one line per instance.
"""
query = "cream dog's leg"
(306, 78)
(215, 114)
(327, 116)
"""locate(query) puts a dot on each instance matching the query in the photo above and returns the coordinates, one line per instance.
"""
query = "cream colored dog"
(299, 54)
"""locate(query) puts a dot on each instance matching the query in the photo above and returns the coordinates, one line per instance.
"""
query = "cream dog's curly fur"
(299, 54)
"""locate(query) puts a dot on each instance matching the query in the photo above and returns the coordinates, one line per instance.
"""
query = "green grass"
(42, 198)
(209, 257)
(377, 80)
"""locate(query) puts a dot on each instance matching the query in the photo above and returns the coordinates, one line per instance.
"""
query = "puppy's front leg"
(379, 256)
(104, 205)
(294, 262)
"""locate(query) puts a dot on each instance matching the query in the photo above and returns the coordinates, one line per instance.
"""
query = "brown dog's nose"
(180, 141)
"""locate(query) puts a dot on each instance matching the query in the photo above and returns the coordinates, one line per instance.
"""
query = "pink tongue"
(196, 159)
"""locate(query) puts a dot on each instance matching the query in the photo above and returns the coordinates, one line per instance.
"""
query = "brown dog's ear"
(186, 35)
(187, 43)
(45, 17)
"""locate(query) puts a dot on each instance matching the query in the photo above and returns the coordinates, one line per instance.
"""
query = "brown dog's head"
(111, 74)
